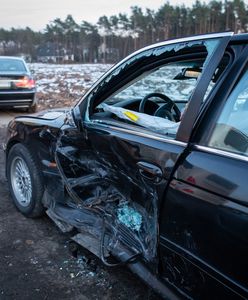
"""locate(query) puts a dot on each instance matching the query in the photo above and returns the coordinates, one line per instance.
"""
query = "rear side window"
(231, 129)
(11, 65)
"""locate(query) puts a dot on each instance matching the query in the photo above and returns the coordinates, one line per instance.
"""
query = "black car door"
(205, 221)
(120, 170)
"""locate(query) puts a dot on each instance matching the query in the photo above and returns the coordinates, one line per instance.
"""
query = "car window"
(165, 79)
(156, 94)
(231, 129)
(11, 65)
(168, 81)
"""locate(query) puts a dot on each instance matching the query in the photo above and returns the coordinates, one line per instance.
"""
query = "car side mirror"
(237, 140)
(78, 113)
(77, 117)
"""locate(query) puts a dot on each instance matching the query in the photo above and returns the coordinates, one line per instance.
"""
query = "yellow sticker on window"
(131, 116)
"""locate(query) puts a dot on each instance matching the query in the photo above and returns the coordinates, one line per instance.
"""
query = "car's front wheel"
(25, 181)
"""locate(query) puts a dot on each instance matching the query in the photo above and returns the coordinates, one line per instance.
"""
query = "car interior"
(157, 98)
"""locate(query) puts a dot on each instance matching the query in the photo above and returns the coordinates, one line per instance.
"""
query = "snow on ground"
(63, 85)
(160, 81)
(60, 85)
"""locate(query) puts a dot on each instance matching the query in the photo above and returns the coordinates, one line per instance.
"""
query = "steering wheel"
(169, 110)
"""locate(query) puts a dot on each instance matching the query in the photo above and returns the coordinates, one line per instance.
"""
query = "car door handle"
(150, 171)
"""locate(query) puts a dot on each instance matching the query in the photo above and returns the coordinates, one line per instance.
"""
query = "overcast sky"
(37, 13)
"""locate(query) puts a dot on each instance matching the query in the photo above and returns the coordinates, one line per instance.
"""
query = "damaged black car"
(149, 169)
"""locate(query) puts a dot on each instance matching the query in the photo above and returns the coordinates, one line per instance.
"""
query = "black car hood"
(52, 118)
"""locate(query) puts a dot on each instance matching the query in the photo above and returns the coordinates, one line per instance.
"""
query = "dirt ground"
(35, 262)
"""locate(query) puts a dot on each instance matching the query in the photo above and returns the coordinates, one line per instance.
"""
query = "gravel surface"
(63, 85)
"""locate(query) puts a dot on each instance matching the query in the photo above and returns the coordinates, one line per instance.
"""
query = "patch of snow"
(64, 84)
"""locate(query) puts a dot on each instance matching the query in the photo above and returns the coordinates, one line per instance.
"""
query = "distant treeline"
(114, 37)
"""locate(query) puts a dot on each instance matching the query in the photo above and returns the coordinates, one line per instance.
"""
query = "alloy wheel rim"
(21, 181)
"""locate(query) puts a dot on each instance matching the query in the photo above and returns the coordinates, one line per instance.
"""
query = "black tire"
(33, 207)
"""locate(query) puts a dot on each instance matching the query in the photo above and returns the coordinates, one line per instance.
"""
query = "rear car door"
(205, 235)
(120, 169)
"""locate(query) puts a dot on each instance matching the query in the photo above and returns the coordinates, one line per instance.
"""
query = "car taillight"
(25, 82)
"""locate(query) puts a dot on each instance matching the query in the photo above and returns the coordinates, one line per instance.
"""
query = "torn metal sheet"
(97, 203)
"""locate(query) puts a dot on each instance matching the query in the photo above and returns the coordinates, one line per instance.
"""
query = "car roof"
(234, 37)
(12, 57)
(240, 37)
